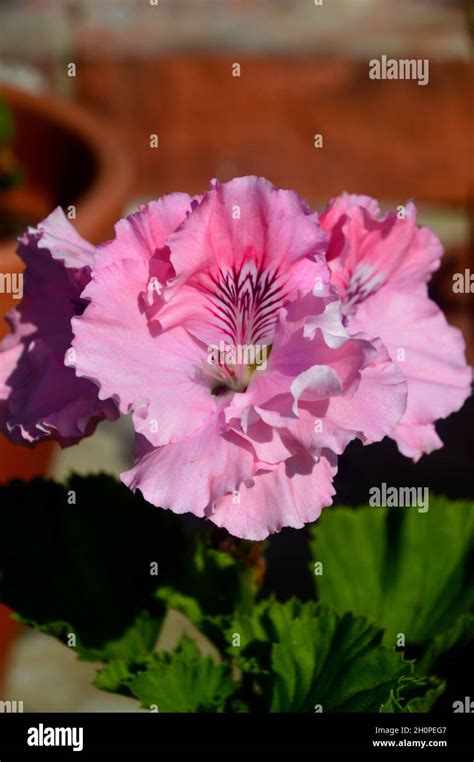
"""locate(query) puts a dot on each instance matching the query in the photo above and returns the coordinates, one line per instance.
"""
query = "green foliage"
(82, 558)
(211, 583)
(84, 568)
(406, 571)
(78, 559)
(6, 123)
(303, 656)
(461, 633)
(184, 681)
(10, 175)
(414, 694)
(114, 677)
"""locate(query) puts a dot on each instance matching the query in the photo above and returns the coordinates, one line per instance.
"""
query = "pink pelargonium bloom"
(380, 266)
(41, 398)
(227, 346)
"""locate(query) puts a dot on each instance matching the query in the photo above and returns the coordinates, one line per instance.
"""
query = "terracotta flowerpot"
(67, 158)
(8, 631)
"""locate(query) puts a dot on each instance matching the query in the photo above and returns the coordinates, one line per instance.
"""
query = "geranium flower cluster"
(249, 338)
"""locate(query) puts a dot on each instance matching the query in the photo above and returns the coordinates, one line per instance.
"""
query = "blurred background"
(88, 84)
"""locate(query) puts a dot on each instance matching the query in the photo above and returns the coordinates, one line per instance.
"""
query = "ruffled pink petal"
(41, 398)
(430, 353)
(367, 251)
(192, 474)
(370, 413)
(62, 241)
(377, 405)
(246, 241)
(380, 267)
(301, 367)
(157, 378)
(143, 233)
(11, 349)
(413, 440)
(290, 495)
(271, 445)
(45, 399)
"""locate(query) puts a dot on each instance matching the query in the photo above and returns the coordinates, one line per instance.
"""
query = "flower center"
(364, 281)
(244, 305)
(245, 302)
(231, 367)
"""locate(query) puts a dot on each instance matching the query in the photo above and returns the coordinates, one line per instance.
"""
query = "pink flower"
(212, 321)
(40, 397)
(381, 267)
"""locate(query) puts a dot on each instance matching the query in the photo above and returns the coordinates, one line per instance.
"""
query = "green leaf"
(10, 173)
(219, 582)
(210, 587)
(404, 570)
(6, 123)
(136, 642)
(188, 605)
(184, 681)
(461, 633)
(414, 694)
(301, 656)
(77, 559)
(114, 676)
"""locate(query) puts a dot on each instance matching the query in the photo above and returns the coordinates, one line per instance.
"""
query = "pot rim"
(113, 176)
